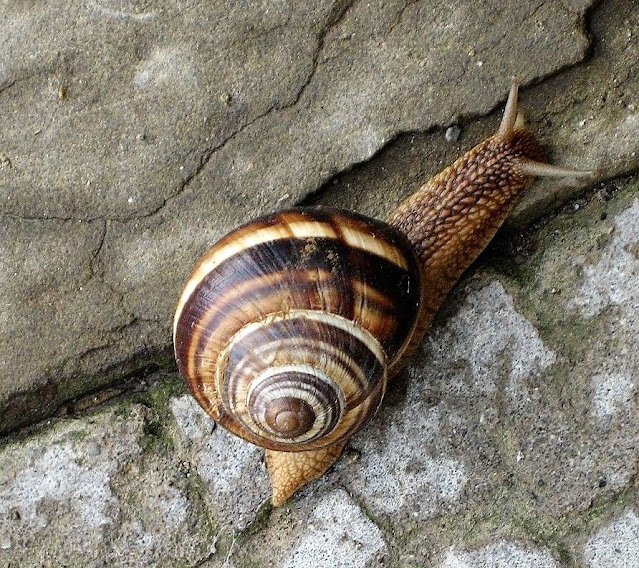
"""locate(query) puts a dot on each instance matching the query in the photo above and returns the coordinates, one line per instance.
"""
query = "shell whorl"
(286, 327)
(301, 376)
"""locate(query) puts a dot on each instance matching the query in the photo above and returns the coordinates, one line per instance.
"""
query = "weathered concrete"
(502, 554)
(615, 544)
(94, 492)
(136, 133)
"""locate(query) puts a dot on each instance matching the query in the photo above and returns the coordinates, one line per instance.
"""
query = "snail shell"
(288, 325)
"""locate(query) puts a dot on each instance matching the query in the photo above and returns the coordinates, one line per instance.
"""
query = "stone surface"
(582, 120)
(223, 462)
(616, 544)
(135, 133)
(451, 410)
(87, 492)
(499, 555)
(337, 534)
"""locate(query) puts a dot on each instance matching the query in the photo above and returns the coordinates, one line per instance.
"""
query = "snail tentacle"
(542, 169)
(510, 118)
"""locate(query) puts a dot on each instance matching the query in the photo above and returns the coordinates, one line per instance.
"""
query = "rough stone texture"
(87, 493)
(135, 133)
(481, 360)
(616, 544)
(337, 534)
(499, 555)
(583, 121)
(223, 462)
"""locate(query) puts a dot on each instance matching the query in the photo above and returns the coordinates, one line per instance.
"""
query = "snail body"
(289, 327)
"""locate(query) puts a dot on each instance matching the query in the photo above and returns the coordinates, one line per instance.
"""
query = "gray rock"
(485, 356)
(87, 492)
(502, 554)
(337, 534)
(595, 376)
(616, 544)
(231, 469)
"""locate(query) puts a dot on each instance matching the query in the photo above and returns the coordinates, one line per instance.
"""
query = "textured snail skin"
(451, 219)
(258, 326)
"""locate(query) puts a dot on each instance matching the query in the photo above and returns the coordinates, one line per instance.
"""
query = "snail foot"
(291, 470)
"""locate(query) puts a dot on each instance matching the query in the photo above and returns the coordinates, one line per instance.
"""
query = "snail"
(290, 326)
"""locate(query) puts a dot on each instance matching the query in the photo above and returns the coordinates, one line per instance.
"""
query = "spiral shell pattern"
(286, 327)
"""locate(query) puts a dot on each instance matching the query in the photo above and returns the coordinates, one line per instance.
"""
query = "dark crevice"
(96, 253)
(136, 374)
(7, 86)
(462, 120)
(334, 18)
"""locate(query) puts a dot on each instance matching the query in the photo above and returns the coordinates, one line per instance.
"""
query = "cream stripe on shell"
(295, 229)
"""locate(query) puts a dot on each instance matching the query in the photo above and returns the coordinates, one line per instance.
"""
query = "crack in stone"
(204, 160)
(334, 18)
(339, 11)
(400, 16)
(7, 86)
(535, 11)
(208, 153)
(92, 261)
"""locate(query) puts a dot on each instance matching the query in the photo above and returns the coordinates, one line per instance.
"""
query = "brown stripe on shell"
(299, 338)
(211, 333)
(248, 301)
(288, 406)
(361, 373)
(355, 230)
(312, 275)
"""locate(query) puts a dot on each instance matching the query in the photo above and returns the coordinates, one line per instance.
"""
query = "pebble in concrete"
(615, 545)
(396, 469)
(608, 285)
(487, 330)
(61, 484)
(503, 554)
(338, 534)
